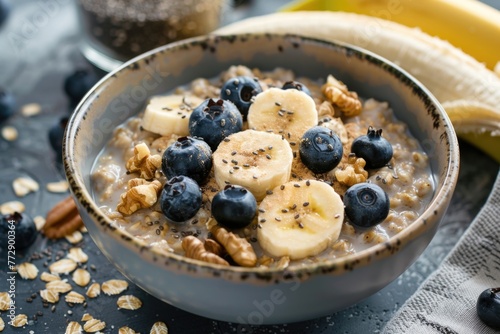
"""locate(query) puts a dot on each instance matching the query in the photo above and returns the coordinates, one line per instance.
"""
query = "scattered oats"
(19, 320)
(126, 330)
(2, 325)
(4, 301)
(129, 302)
(63, 266)
(49, 296)
(94, 290)
(39, 222)
(24, 185)
(159, 328)
(81, 277)
(87, 317)
(74, 237)
(58, 187)
(94, 325)
(11, 207)
(47, 277)
(27, 270)
(114, 286)
(78, 255)
(9, 133)
(31, 109)
(73, 328)
(74, 298)
(83, 229)
(58, 286)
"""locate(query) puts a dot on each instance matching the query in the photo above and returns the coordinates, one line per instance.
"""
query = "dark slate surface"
(36, 52)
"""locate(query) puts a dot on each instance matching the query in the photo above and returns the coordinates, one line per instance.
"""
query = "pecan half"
(62, 219)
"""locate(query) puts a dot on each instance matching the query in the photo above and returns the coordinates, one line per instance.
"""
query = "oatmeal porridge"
(278, 160)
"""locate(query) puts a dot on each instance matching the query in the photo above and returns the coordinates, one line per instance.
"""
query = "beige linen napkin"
(446, 301)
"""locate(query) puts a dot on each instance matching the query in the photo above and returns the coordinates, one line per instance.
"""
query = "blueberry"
(180, 199)
(234, 207)
(7, 104)
(4, 11)
(215, 120)
(188, 156)
(488, 307)
(298, 86)
(18, 226)
(372, 147)
(366, 204)
(240, 90)
(78, 84)
(320, 149)
(56, 136)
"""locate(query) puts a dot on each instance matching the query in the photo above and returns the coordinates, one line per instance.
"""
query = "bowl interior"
(124, 92)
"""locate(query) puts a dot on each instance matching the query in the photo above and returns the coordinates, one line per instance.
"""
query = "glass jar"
(117, 30)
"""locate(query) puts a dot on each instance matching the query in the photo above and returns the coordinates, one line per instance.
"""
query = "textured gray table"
(38, 49)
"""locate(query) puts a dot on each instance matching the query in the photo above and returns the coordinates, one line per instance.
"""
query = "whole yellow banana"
(468, 90)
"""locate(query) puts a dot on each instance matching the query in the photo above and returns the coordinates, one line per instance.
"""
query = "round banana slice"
(300, 219)
(169, 114)
(256, 160)
(288, 112)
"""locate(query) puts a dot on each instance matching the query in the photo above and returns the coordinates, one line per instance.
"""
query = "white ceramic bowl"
(258, 295)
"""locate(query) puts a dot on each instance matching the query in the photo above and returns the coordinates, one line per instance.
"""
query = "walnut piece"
(239, 249)
(141, 194)
(338, 94)
(143, 162)
(195, 249)
(214, 247)
(352, 173)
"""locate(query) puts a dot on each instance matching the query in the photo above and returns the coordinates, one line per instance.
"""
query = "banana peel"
(469, 92)
(470, 25)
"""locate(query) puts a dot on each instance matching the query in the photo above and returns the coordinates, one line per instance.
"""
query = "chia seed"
(124, 28)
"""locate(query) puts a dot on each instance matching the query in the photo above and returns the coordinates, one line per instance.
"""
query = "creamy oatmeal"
(128, 178)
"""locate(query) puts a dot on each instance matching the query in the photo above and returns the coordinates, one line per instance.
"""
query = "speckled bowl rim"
(334, 266)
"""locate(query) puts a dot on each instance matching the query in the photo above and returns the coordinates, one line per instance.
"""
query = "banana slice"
(166, 115)
(288, 112)
(256, 160)
(300, 219)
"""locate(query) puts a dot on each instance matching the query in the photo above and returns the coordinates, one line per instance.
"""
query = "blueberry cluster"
(186, 163)
(366, 204)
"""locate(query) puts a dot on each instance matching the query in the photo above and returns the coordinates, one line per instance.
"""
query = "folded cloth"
(446, 301)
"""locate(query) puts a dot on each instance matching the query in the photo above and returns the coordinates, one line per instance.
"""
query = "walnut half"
(143, 162)
(338, 94)
(353, 172)
(238, 248)
(141, 194)
(195, 249)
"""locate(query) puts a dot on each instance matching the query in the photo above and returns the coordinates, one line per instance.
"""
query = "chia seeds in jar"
(118, 30)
